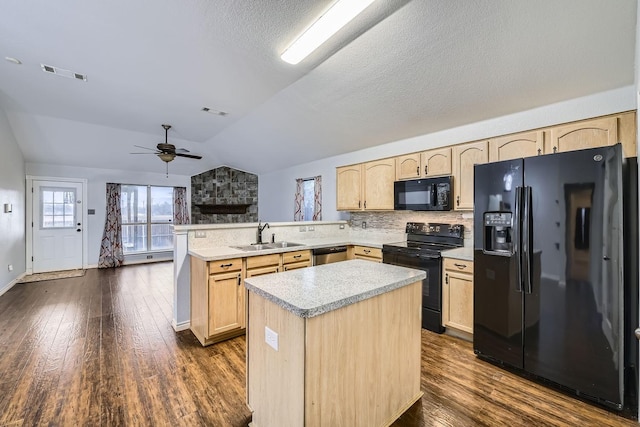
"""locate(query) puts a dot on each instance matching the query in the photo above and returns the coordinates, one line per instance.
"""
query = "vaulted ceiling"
(401, 69)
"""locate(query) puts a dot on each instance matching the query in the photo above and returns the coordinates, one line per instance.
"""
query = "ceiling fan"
(167, 152)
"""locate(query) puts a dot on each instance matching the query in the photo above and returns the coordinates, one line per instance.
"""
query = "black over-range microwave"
(427, 194)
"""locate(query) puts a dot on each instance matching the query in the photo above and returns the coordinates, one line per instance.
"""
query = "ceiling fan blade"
(146, 148)
(189, 156)
(182, 150)
(143, 153)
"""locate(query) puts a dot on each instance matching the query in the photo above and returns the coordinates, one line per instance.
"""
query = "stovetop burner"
(429, 238)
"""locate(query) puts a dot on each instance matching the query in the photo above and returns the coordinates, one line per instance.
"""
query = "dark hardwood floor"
(100, 350)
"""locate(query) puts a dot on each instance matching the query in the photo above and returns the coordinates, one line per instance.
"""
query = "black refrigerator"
(548, 269)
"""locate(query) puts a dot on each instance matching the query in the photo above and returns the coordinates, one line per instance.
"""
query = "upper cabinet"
(426, 164)
(525, 144)
(349, 187)
(585, 134)
(378, 184)
(366, 186)
(464, 157)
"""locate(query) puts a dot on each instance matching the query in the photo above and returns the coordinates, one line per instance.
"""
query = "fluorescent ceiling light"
(320, 31)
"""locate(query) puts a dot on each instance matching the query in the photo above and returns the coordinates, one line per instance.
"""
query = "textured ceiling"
(401, 69)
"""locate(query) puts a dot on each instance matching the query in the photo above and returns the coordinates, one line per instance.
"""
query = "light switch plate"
(271, 338)
(200, 234)
(311, 228)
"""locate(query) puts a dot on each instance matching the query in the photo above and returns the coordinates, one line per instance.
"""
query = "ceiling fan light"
(167, 157)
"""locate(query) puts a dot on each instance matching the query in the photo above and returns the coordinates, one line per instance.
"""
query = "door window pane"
(57, 207)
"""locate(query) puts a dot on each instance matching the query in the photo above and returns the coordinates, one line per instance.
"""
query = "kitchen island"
(336, 344)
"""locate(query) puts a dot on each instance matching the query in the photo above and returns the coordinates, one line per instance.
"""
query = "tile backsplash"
(395, 221)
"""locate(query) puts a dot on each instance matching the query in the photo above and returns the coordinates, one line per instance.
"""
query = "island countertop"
(312, 291)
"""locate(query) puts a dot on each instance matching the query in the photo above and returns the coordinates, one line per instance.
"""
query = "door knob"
(637, 332)
(79, 230)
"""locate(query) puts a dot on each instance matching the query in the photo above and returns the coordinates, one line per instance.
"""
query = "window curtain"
(317, 198)
(298, 212)
(180, 210)
(111, 250)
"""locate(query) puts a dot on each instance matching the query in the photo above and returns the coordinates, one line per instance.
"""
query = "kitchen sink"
(264, 246)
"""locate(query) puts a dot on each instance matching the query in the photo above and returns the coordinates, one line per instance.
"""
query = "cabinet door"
(226, 307)
(526, 144)
(464, 157)
(378, 184)
(348, 188)
(436, 162)
(457, 301)
(408, 167)
(585, 134)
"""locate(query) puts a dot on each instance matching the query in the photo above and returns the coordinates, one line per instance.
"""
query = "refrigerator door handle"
(526, 239)
(517, 230)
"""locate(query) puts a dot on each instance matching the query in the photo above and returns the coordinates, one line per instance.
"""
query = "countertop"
(465, 253)
(225, 252)
(312, 291)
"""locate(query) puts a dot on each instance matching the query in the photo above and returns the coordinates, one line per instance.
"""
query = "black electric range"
(422, 250)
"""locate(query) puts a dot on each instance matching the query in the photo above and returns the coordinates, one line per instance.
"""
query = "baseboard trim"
(11, 284)
(182, 326)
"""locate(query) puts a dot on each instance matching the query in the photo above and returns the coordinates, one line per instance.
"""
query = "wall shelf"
(223, 209)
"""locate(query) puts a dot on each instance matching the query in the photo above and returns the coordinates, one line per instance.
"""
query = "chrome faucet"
(259, 232)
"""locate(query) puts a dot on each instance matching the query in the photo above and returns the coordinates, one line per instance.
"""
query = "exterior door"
(57, 225)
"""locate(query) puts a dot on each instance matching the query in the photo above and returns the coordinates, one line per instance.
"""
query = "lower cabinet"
(218, 295)
(365, 252)
(457, 294)
(217, 299)
(295, 260)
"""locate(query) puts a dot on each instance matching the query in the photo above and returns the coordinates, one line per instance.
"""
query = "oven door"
(431, 285)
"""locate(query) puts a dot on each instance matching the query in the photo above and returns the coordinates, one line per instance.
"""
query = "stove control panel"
(435, 229)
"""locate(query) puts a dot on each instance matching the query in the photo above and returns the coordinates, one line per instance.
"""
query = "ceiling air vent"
(63, 73)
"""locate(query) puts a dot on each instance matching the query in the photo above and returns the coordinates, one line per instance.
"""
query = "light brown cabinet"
(364, 252)
(422, 165)
(217, 299)
(464, 157)
(349, 188)
(585, 134)
(525, 144)
(457, 295)
(366, 186)
(295, 260)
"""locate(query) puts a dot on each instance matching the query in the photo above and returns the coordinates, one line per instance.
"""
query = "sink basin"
(264, 246)
(282, 244)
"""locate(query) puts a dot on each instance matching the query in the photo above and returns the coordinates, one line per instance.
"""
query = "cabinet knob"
(365, 204)
(458, 201)
(446, 279)
(418, 170)
(539, 151)
(425, 170)
(226, 265)
(358, 204)
(239, 279)
(555, 149)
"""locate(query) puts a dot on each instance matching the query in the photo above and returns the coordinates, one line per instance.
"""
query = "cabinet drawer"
(297, 256)
(368, 252)
(225, 265)
(259, 271)
(263, 260)
(296, 265)
(457, 265)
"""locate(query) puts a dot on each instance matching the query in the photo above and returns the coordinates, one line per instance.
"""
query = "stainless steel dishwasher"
(329, 255)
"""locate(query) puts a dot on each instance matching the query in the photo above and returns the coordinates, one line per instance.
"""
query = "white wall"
(96, 192)
(276, 189)
(12, 190)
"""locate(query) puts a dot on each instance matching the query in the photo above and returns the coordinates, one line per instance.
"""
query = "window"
(308, 199)
(147, 216)
(308, 188)
(57, 207)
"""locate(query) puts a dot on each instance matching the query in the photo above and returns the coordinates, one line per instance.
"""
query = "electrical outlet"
(341, 226)
(200, 234)
(364, 224)
(303, 228)
(312, 228)
(149, 256)
(271, 338)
